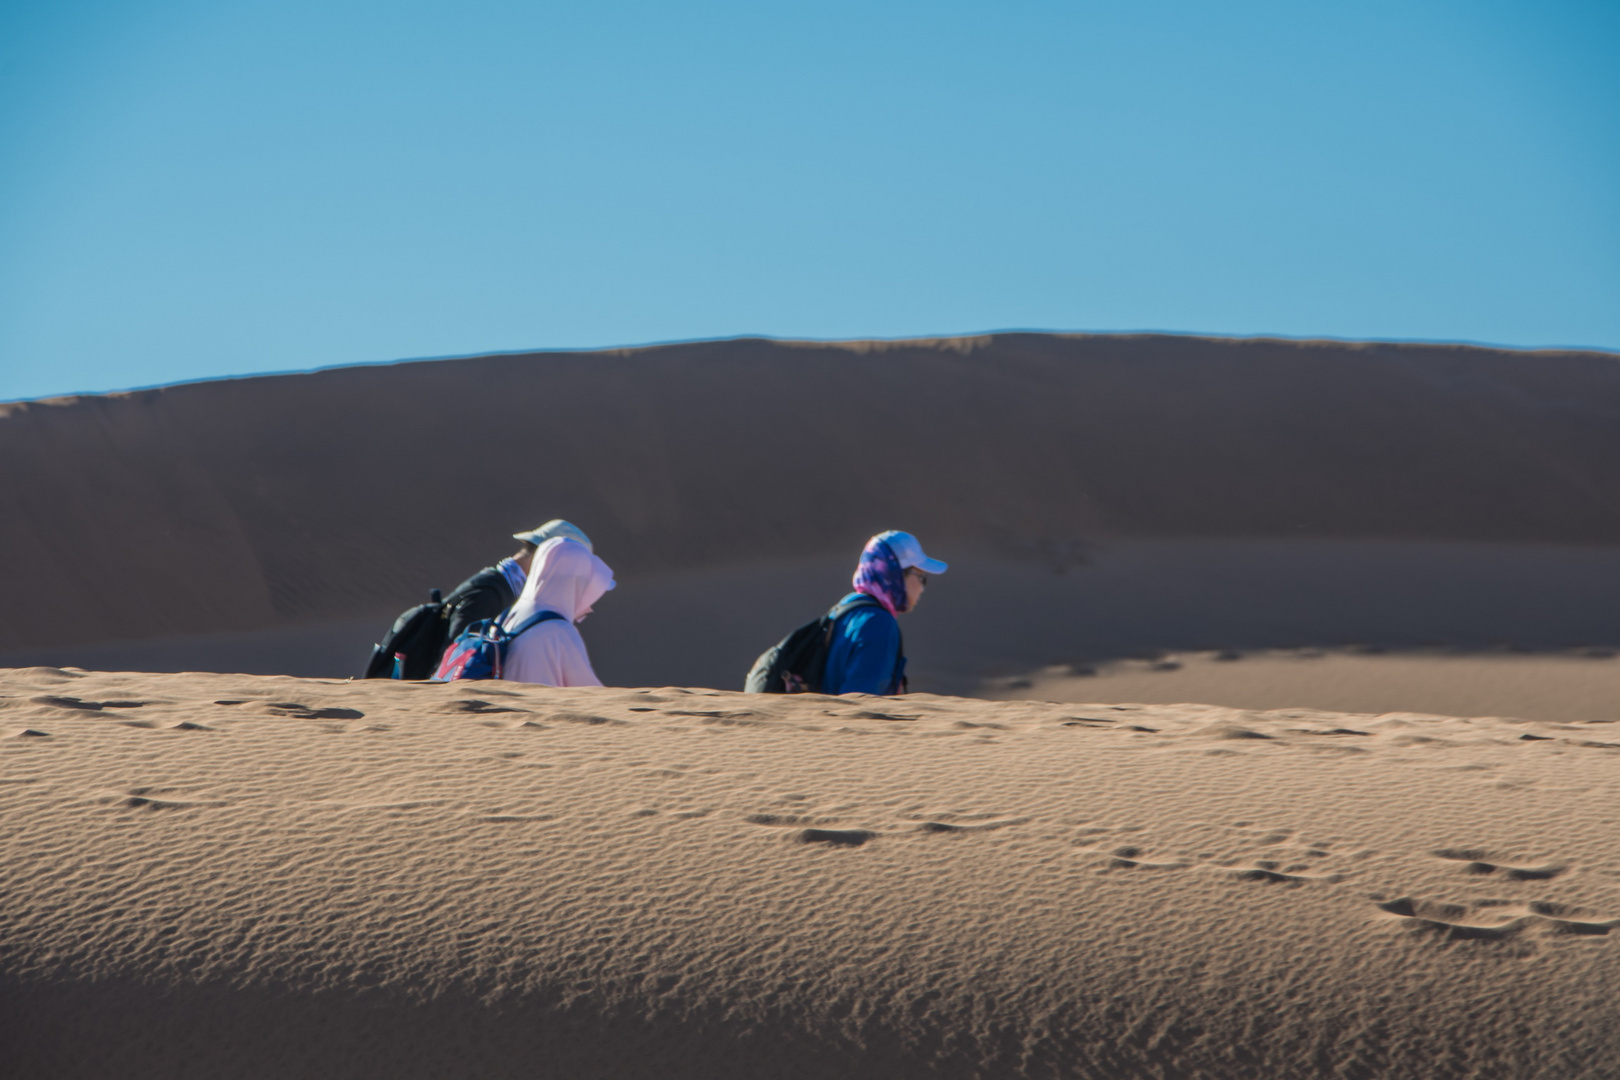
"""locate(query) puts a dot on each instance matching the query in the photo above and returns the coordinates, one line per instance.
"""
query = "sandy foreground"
(238, 876)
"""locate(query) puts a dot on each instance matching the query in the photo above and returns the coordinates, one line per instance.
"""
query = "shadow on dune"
(992, 617)
(1097, 495)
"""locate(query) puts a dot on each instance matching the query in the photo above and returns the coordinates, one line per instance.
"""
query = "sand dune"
(208, 876)
(1567, 687)
(1316, 873)
(1159, 479)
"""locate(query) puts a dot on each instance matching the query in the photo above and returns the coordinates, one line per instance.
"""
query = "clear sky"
(192, 189)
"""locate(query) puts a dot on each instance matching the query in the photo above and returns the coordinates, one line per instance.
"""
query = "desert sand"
(225, 875)
(1382, 844)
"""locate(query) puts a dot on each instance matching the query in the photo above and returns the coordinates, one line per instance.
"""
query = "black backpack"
(411, 649)
(796, 664)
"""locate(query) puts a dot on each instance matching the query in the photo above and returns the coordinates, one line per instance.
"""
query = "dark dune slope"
(301, 499)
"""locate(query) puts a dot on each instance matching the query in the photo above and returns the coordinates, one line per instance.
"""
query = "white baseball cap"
(554, 528)
(910, 553)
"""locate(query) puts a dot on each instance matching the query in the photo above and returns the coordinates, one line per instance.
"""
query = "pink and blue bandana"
(879, 576)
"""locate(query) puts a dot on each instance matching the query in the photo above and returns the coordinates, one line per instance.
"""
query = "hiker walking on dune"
(564, 582)
(416, 644)
(496, 588)
(856, 647)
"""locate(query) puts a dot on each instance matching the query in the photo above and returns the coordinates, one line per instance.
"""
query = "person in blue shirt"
(865, 655)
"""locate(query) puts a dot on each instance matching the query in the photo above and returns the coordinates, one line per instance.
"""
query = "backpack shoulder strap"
(534, 620)
(861, 600)
(840, 610)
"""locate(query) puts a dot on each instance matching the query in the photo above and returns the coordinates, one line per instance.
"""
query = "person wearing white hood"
(566, 578)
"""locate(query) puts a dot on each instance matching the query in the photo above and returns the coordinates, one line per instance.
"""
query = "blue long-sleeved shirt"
(864, 654)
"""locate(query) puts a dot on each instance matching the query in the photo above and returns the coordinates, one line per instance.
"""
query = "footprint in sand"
(85, 706)
(968, 827)
(1231, 733)
(1130, 857)
(1087, 722)
(66, 703)
(1479, 862)
(781, 820)
(1495, 920)
(305, 712)
(584, 718)
(1282, 872)
(147, 802)
(473, 705)
(955, 823)
(145, 798)
(1288, 862)
(1273, 873)
(831, 837)
(1123, 856)
(835, 837)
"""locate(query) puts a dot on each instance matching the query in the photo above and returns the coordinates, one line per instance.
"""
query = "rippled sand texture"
(231, 876)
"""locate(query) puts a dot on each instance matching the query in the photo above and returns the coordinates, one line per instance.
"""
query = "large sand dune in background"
(1098, 496)
(226, 876)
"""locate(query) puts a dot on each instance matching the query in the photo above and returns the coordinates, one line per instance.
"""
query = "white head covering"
(555, 527)
(564, 577)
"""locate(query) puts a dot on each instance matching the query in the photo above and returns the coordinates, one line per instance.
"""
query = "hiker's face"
(916, 580)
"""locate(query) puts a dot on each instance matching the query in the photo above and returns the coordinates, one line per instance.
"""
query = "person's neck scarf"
(879, 576)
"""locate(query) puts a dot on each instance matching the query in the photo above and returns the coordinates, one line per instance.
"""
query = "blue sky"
(193, 189)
